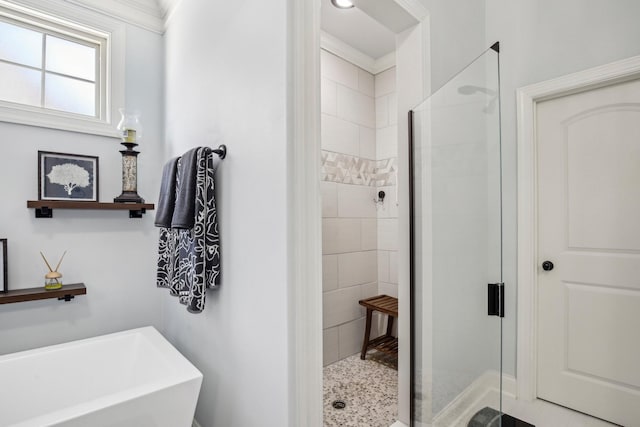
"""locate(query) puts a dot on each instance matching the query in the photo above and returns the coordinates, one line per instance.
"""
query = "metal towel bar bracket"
(221, 151)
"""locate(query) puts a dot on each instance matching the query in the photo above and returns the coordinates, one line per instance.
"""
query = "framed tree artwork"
(64, 176)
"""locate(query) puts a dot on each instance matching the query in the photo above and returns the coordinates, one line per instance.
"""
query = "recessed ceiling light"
(342, 4)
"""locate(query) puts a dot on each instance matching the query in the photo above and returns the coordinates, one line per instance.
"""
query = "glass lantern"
(129, 126)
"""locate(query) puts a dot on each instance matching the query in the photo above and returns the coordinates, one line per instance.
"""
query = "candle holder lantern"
(130, 132)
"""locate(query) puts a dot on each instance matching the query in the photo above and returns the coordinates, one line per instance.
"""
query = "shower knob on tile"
(547, 266)
(381, 195)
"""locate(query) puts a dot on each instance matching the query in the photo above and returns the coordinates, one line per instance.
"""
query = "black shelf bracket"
(44, 212)
(137, 213)
(66, 298)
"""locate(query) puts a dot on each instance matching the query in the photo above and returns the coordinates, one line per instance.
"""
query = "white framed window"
(60, 72)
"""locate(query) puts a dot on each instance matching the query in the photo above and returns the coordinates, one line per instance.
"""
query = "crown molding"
(152, 15)
(384, 63)
(167, 7)
(346, 52)
(141, 13)
(356, 57)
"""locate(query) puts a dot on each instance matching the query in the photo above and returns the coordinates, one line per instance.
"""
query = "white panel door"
(589, 228)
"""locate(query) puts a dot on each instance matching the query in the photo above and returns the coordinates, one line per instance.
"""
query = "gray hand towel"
(167, 199)
(185, 207)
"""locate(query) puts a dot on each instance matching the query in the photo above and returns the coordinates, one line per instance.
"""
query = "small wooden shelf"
(44, 208)
(66, 293)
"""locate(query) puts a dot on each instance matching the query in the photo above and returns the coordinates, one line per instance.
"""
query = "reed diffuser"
(52, 278)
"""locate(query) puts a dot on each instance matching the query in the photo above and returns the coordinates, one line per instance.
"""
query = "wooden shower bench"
(386, 343)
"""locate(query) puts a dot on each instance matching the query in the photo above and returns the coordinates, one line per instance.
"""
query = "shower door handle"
(495, 299)
(547, 266)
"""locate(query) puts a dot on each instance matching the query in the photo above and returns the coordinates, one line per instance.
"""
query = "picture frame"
(64, 176)
(4, 287)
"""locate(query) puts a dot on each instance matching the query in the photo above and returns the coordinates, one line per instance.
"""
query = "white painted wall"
(226, 82)
(457, 36)
(539, 41)
(113, 255)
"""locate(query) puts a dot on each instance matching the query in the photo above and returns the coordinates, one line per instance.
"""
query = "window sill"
(52, 120)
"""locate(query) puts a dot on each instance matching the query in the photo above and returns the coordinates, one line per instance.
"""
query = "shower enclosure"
(455, 162)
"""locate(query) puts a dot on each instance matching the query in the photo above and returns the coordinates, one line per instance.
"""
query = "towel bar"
(221, 151)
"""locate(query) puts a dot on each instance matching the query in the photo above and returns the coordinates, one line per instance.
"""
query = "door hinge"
(496, 299)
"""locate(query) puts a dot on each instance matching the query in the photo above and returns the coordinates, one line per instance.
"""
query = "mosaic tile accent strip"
(386, 172)
(348, 169)
(369, 389)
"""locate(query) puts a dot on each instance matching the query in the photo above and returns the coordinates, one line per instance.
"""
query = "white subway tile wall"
(341, 136)
(357, 268)
(329, 97)
(386, 142)
(387, 155)
(366, 83)
(356, 201)
(329, 272)
(393, 107)
(356, 107)
(329, 193)
(388, 234)
(341, 306)
(393, 266)
(369, 234)
(382, 111)
(330, 344)
(353, 172)
(367, 143)
(338, 70)
(383, 266)
(340, 235)
(350, 338)
(385, 82)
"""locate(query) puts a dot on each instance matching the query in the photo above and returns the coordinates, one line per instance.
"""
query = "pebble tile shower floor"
(369, 389)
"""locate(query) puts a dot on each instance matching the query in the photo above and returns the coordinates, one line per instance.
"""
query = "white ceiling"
(357, 29)
(352, 26)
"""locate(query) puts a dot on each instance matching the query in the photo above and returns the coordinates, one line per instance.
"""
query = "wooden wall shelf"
(44, 208)
(66, 293)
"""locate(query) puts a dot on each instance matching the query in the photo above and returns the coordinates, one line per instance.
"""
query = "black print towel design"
(189, 259)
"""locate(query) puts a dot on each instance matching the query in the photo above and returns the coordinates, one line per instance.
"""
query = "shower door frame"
(412, 278)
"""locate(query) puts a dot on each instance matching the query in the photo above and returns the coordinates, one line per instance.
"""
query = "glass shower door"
(457, 250)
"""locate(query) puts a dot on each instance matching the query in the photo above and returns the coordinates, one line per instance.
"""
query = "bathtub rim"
(186, 372)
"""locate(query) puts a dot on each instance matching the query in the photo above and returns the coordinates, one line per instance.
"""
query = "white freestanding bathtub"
(133, 378)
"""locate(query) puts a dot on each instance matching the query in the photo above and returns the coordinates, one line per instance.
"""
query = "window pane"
(20, 45)
(67, 94)
(71, 58)
(19, 84)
